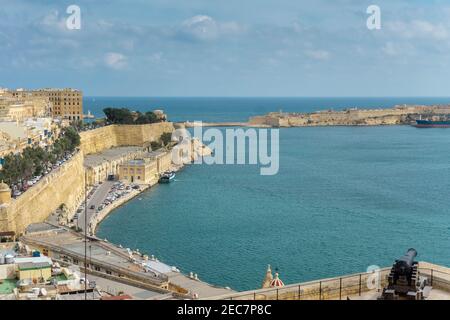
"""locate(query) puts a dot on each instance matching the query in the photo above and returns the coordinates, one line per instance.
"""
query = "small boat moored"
(167, 177)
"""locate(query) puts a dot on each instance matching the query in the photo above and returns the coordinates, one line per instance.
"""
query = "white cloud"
(52, 20)
(397, 49)
(115, 60)
(204, 27)
(318, 54)
(201, 27)
(419, 29)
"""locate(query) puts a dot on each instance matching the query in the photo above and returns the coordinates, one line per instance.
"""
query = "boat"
(432, 123)
(89, 115)
(167, 177)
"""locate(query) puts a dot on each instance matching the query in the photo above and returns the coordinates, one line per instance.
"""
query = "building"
(139, 171)
(65, 103)
(27, 106)
(37, 272)
(163, 159)
(16, 136)
(100, 166)
(146, 170)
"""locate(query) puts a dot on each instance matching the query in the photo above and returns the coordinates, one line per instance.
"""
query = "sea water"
(345, 198)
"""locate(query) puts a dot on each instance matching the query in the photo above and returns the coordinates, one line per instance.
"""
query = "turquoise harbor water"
(345, 198)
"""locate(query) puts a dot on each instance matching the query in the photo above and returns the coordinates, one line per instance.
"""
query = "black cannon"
(404, 281)
(404, 266)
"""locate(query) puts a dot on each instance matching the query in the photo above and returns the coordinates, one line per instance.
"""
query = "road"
(97, 198)
(114, 288)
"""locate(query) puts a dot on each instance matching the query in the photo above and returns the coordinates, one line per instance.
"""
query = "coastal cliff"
(350, 117)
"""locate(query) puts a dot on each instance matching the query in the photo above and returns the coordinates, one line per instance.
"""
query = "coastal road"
(97, 198)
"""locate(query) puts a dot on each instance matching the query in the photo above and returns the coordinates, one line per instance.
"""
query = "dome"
(4, 187)
(276, 282)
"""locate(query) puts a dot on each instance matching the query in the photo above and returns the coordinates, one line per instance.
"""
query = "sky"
(227, 48)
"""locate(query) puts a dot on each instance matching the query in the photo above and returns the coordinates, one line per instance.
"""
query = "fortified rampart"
(107, 137)
(65, 185)
(349, 117)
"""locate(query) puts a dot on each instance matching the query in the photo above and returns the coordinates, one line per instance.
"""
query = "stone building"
(163, 159)
(65, 103)
(147, 169)
(103, 164)
(15, 136)
(19, 109)
(139, 171)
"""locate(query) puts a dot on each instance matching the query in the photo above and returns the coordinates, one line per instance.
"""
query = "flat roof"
(41, 259)
(34, 266)
(95, 159)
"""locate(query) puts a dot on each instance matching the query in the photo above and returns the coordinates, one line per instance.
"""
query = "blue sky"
(228, 48)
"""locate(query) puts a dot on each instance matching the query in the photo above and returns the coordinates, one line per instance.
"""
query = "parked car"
(92, 207)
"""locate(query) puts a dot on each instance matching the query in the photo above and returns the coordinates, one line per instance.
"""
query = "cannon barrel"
(404, 264)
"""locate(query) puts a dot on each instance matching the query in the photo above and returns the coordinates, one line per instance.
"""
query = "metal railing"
(340, 288)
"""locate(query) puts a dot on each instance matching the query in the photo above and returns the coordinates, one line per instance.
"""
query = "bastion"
(65, 185)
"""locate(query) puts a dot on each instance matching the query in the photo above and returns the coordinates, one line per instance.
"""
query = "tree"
(125, 116)
(166, 138)
(73, 138)
(119, 115)
(155, 145)
(33, 160)
(152, 117)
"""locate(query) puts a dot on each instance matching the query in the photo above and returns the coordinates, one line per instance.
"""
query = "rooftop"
(33, 265)
(96, 159)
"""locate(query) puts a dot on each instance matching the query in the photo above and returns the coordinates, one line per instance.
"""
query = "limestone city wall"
(65, 185)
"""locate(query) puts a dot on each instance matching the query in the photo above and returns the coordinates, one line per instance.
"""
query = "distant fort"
(397, 115)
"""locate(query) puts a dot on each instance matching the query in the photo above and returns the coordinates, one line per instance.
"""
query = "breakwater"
(397, 115)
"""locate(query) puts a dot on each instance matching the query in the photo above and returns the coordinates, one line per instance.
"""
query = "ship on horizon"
(432, 123)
